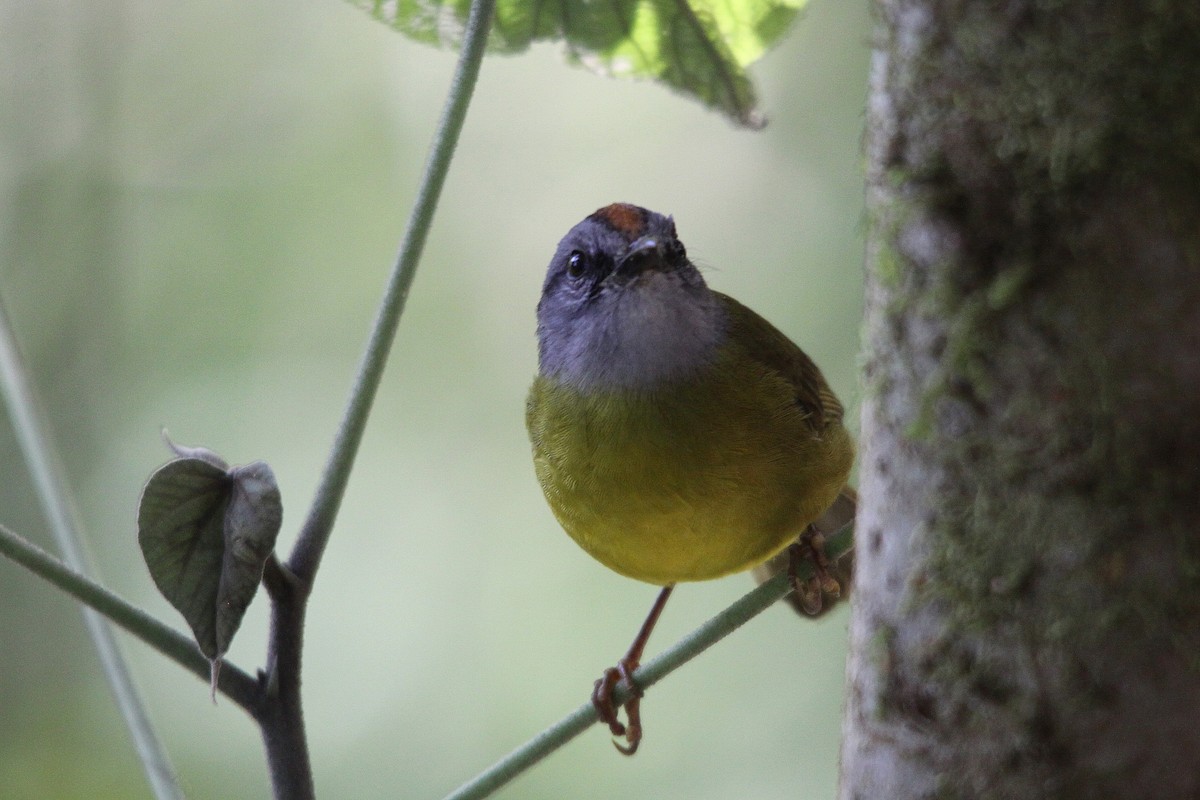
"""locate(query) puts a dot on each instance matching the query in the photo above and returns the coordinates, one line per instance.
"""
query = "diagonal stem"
(742, 611)
(314, 536)
(50, 481)
(281, 717)
(234, 683)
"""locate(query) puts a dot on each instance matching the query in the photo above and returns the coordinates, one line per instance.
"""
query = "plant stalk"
(543, 744)
(282, 719)
(49, 479)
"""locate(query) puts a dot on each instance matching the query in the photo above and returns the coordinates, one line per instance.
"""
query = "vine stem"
(650, 673)
(50, 483)
(234, 683)
(318, 526)
(281, 717)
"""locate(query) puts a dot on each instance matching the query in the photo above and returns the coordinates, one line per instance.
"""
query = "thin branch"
(318, 526)
(50, 482)
(235, 684)
(646, 676)
(281, 718)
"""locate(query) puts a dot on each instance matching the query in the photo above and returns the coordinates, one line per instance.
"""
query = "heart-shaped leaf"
(698, 47)
(206, 531)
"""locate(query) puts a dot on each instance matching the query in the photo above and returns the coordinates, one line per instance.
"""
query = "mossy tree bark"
(1027, 614)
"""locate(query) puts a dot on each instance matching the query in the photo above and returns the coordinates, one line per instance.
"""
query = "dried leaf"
(205, 533)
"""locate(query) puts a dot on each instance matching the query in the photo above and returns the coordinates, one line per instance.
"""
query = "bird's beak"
(644, 254)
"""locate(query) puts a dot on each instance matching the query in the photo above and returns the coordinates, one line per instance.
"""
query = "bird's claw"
(606, 709)
(811, 548)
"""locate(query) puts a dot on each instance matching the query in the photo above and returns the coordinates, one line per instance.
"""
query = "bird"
(676, 434)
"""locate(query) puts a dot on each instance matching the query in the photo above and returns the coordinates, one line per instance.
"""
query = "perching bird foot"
(811, 548)
(602, 692)
(602, 700)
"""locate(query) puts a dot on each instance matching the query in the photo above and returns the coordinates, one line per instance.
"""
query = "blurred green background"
(198, 206)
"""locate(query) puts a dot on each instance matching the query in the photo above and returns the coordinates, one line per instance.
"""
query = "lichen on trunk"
(1027, 617)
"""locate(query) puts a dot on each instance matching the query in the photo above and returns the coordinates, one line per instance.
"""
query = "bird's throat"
(641, 339)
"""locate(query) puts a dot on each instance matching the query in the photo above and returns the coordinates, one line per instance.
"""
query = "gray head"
(623, 307)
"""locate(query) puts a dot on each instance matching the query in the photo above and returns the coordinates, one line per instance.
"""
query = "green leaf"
(698, 47)
(206, 531)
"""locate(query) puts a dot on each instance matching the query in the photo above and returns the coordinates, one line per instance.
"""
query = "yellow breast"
(691, 481)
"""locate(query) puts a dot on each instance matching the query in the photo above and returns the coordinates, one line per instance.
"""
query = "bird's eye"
(576, 264)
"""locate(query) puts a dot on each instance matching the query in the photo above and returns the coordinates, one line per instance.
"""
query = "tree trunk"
(1027, 611)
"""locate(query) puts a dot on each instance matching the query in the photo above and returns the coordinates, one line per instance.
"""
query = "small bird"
(677, 435)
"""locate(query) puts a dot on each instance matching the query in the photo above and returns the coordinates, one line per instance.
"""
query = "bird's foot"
(602, 693)
(602, 700)
(811, 591)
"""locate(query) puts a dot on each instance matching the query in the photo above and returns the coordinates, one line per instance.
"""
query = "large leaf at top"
(698, 47)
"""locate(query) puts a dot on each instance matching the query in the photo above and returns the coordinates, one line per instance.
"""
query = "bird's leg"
(811, 547)
(602, 693)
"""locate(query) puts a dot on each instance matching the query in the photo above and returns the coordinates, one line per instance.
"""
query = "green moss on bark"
(1032, 348)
